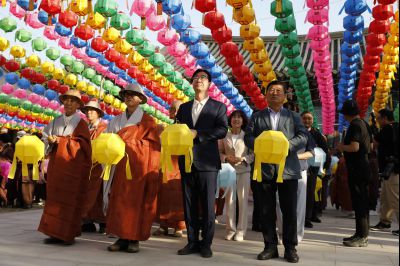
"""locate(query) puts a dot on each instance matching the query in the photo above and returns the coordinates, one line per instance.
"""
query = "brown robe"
(93, 207)
(340, 191)
(67, 182)
(132, 207)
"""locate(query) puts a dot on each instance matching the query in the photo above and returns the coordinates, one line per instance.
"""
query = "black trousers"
(287, 191)
(360, 201)
(256, 217)
(311, 184)
(199, 187)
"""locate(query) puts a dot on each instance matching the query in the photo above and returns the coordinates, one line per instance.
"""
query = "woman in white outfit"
(234, 151)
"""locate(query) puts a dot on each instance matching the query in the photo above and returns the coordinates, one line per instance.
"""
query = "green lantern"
(23, 35)
(297, 73)
(166, 70)
(147, 49)
(293, 63)
(97, 79)
(298, 82)
(176, 78)
(288, 40)
(291, 52)
(89, 73)
(281, 9)
(37, 109)
(53, 53)
(107, 8)
(39, 44)
(115, 90)
(157, 60)
(3, 97)
(107, 85)
(145, 107)
(77, 67)
(13, 101)
(396, 114)
(152, 110)
(48, 112)
(8, 24)
(121, 21)
(67, 60)
(135, 37)
(285, 25)
(26, 105)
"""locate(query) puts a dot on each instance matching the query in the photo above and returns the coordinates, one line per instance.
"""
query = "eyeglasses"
(200, 77)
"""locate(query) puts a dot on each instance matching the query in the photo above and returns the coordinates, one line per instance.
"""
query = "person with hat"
(356, 146)
(132, 205)
(93, 207)
(67, 144)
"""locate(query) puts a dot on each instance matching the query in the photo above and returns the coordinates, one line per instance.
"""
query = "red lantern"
(27, 73)
(109, 110)
(241, 71)
(214, 20)
(382, 12)
(372, 68)
(29, 118)
(38, 78)
(123, 63)
(205, 6)
(112, 55)
(386, 2)
(376, 39)
(245, 79)
(229, 49)
(85, 98)
(142, 80)
(117, 112)
(52, 7)
(379, 26)
(12, 65)
(222, 35)
(169, 99)
(234, 61)
(63, 89)
(3, 60)
(84, 32)
(68, 19)
(133, 72)
(371, 60)
(53, 84)
(375, 50)
(99, 45)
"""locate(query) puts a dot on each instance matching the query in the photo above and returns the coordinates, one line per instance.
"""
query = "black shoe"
(206, 252)
(190, 248)
(133, 246)
(291, 255)
(380, 226)
(346, 239)
(357, 242)
(308, 224)
(88, 228)
(53, 240)
(102, 228)
(119, 245)
(316, 220)
(396, 232)
(268, 253)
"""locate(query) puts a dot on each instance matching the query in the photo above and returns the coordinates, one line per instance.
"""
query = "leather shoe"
(190, 248)
(53, 240)
(268, 253)
(308, 224)
(291, 256)
(120, 244)
(206, 252)
(133, 247)
(316, 220)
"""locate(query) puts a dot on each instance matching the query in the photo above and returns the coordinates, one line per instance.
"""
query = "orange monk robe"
(67, 178)
(132, 207)
(93, 207)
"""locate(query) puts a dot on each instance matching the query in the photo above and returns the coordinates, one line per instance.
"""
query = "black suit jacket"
(292, 127)
(211, 126)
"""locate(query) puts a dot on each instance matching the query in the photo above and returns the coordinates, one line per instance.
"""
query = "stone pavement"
(22, 245)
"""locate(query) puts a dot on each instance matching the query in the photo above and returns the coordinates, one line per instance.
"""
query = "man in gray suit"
(279, 119)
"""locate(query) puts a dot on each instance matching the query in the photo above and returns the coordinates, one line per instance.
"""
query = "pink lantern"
(34, 98)
(150, 101)
(61, 109)
(186, 61)
(230, 109)
(78, 53)
(320, 45)
(54, 105)
(322, 56)
(7, 88)
(318, 17)
(317, 4)
(50, 33)
(318, 33)
(155, 22)
(121, 82)
(32, 20)
(44, 102)
(64, 43)
(16, 10)
(167, 37)
(177, 50)
(190, 71)
(142, 8)
(112, 75)
(91, 61)
(20, 93)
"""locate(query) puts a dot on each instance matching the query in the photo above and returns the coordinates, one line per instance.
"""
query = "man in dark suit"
(208, 122)
(279, 119)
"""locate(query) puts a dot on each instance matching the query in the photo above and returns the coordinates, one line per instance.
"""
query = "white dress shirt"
(274, 116)
(197, 108)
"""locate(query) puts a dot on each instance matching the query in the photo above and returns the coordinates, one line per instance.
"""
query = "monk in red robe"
(67, 142)
(93, 207)
(132, 207)
(170, 199)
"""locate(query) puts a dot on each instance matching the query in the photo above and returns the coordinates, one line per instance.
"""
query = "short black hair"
(242, 114)
(305, 113)
(277, 82)
(201, 70)
(386, 113)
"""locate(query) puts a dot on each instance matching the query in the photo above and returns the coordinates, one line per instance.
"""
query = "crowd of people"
(127, 205)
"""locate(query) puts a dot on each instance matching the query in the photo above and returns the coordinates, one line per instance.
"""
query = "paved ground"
(21, 245)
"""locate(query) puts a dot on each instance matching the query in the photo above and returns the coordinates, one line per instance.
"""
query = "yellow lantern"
(109, 149)
(33, 61)
(81, 86)
(391, 50)
(91, 90)
(116, 103)
(392, 60)
(382, 95)
(271, 76)
(58, 74)
(70, 80)
(135, 58)
(263, 68)
(250, 32)
(176, 140)
(96, 21)
(259, 57)
(109, 99)
(146, 67)
(111, 35)
(393, 40)
(270, 147)
(388, 68)
(389, 75)
(244, 16)
(123, 46)
(237, 3)
(28, 150)
(17, 51)
(47, 67)
(123, 107)
(254, 46)
(394, 29)
(80, 7)
(179, 95)
(4, 44)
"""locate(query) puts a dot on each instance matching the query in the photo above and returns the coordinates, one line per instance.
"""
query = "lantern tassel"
(49, 20)
(143, 23)
(90, 7)
(31, 5)
(278, 8)
(159, 8)
(3, 3)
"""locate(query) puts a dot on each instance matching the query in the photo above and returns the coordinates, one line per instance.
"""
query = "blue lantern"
(38, 89)
(207, 62)
(226, 87)
(350, 59)
(348, 68)
(351, 75)
(199, 50)
(215, 71)
(24, 4)
(50, 95)
(221, 80)
(44, 17)
(103, 61)
(172, 7)
(77, 42)
(180, 22)
(92, 53)
(353, 23)
(24, 83)
(346, 84)
(353, 37)
(114, 69)
(350, 49)
(355, 7)
(232, 93)
(1, 72)
(190, 36)
(62, 30)
(123, 76)
(12, 78)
